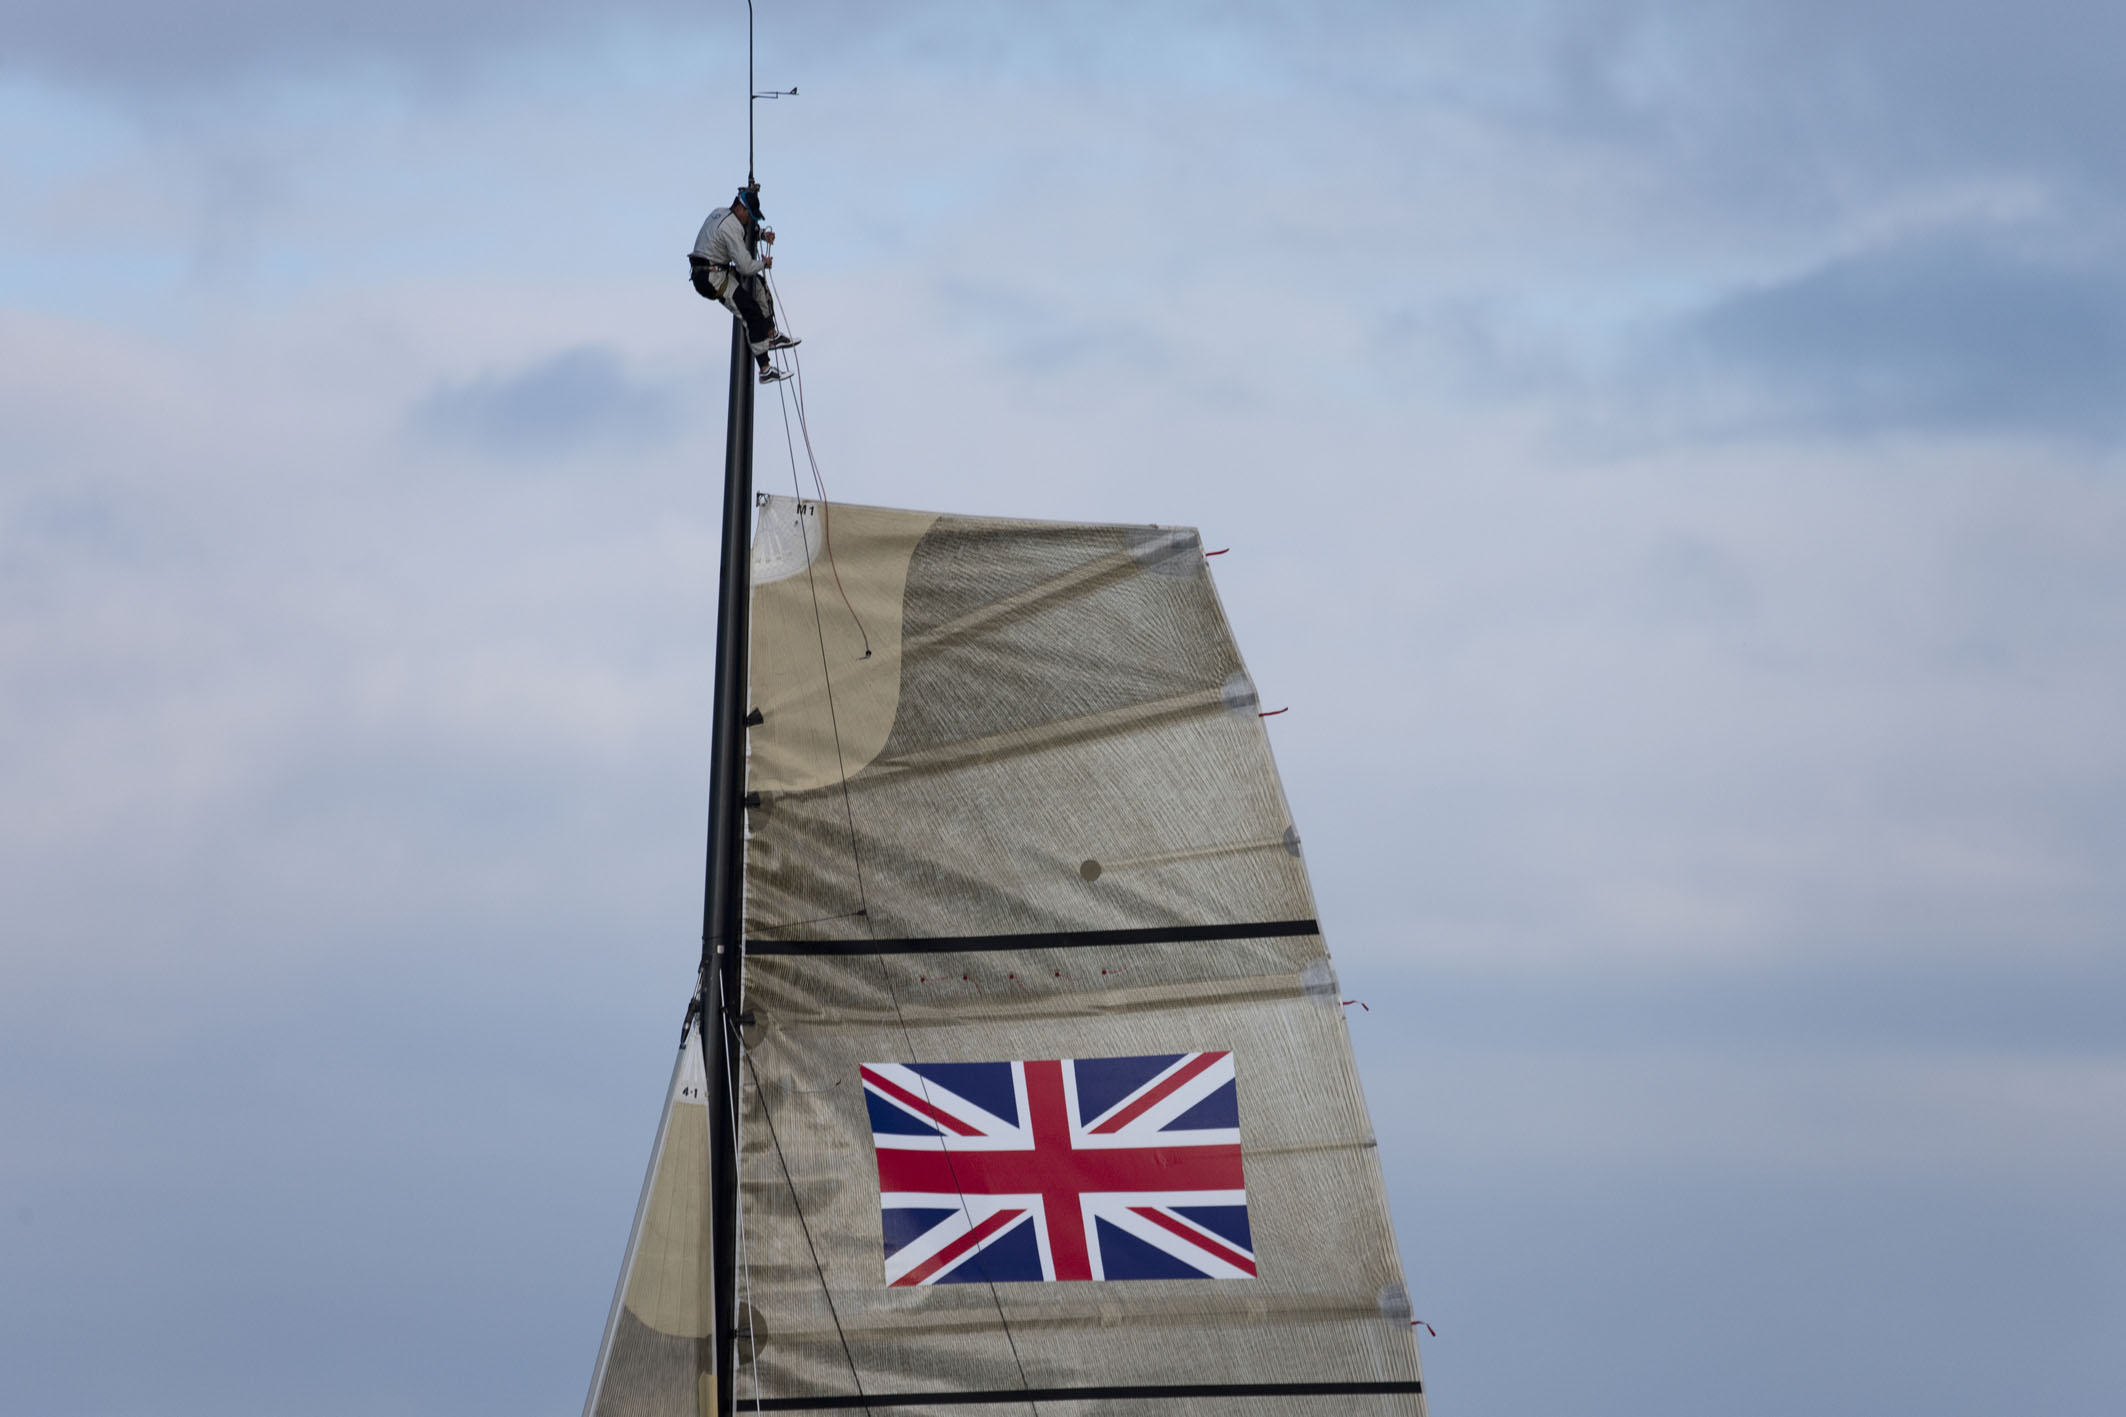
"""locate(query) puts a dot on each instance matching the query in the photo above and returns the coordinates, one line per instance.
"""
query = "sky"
(1674, 460)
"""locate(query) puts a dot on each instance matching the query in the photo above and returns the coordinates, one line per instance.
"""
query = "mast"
(722, 924)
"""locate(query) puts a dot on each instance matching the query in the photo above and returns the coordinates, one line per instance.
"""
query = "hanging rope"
(856, 851)
(819, 484)
(790, 1184)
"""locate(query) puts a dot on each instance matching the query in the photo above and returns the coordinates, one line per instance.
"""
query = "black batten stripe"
(1080, 1394)
(1053, 940)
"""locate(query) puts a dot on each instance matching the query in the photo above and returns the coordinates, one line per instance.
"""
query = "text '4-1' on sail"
(1041, 1096)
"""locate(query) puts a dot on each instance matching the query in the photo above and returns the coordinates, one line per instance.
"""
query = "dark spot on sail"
(752, 1332)
(1090, 870)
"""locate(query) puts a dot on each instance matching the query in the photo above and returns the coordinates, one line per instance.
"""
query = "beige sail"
(657, 1359)
(1026, 909)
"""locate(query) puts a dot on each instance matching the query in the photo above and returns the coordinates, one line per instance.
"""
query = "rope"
(745, 1261)
(797, 1207)
(856, 853)
(804, 427)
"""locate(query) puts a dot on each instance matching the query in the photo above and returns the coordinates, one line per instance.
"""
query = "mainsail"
(1045, 1090)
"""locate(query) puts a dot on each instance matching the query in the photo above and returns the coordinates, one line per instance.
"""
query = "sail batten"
(1165, 1393)
(1058, 940)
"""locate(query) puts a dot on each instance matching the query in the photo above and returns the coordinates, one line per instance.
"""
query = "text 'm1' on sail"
(1047, 1093)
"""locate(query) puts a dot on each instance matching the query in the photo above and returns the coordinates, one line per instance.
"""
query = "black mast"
(722, 920)
(723, 906)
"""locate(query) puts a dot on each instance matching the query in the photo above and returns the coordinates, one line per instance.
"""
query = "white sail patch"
(1175, 551)
(784, 542)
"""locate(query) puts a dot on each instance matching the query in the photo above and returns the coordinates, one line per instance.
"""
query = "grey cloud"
(1835, 89)
(1636, 1277)
(2023, 599)
(1688, 580)
(1033, 336)
(377, 831)
(1943, 333)
(1849, 1005)
(1754, 102)
(2014, 83)
(574, 401)
(130, 42)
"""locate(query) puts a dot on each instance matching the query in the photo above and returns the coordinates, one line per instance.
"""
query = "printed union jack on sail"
(1078, 1168)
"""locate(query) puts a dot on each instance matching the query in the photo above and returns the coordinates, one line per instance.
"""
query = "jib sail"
(657, 1359)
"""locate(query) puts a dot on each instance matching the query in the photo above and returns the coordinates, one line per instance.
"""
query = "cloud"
(118, 43)
(1972, 84)
(578, 400)
(130, 42)
(1745, 807)
(1945, 332)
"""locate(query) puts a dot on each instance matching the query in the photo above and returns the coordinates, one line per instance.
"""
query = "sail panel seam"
(1171, 1391)
(1050, 940)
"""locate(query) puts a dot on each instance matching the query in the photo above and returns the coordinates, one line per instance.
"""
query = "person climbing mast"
(726, 266)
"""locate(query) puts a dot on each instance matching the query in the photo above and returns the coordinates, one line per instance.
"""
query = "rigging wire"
(744, 1260)
(834, 724)
(750, 97)
(745, 1059)
(753, 94)
(746, 1062)
(790, 1184)
(753, 97)
(856, 862)
(804, 425)
(825, 515)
